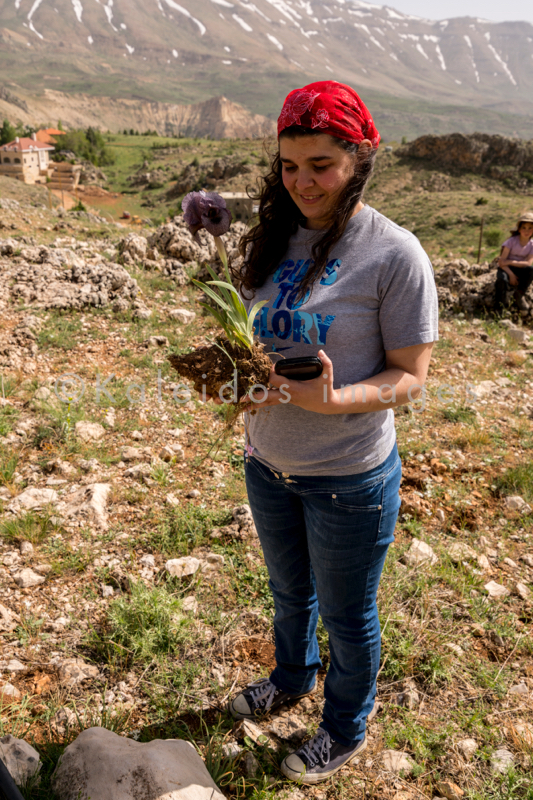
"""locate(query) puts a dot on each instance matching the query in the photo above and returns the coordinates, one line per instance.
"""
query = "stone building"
(26, 159)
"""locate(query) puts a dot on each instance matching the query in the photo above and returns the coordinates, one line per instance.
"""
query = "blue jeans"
(324, 541)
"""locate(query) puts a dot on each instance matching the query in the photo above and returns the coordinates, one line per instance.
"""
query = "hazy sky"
(487, 9)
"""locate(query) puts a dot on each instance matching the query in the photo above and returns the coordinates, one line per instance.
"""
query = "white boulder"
(20, 758)
(104, 766)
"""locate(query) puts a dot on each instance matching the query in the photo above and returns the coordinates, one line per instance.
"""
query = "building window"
(7, 160)
(16, 160)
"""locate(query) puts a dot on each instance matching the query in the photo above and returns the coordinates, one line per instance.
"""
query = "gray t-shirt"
(377, 293)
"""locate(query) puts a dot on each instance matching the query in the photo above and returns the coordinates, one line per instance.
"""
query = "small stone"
(171, 452)
(107, 591)
(518, 335)
(8, 693)
(517, 503)
(137, 435)
(194, 493)
(527, 558)
(176, 432)
(522, 591)
(441, 516)
(131, 454)
(251, 764)
(181, 567)
(245, 728)
(26, 548)
(409, 699)
(495, 590)
(449, 790)
(419, 553)
(484, 563)
(510, 563)
(231, 750)
(524, 731)
(89, 431)
(15, 666)
(172, 500)
(467, 748)
(74, 671)
(148, 560)
(520, 689)
(501, 760)
(398, 762)
(8, 619)
(142, 313)
(455, 648)
(182, 315)
(458, 551)
(158, 341)
(33, 499)
(63, 720)
(27, 578)
(190, 604)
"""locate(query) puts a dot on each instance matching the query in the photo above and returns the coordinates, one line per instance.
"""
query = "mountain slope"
(253, 52)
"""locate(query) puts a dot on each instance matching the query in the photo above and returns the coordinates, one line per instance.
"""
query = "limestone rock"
(33, 499)
(517, 503)
(182, 315)
(88, 503)
(26, 548)
(467, 748)
(459, 551)
(449, 790)
(190, 604)
(398, 762)
(495, 590)
(104, 766)
(134, 246)
(181, 567)
(89, 431)
(27, 578)
(63, 720)
(501, 760)
(419, 553)
(20, 758)
(522, 591)
(8, 619)
(131, 454)
(73, 671)
(518, 335)
(9, 693)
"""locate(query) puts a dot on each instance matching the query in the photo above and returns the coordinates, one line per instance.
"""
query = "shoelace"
(266, 692)
(317, 750)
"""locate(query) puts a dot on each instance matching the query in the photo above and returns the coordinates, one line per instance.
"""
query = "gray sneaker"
(319, 759)
(261, 698)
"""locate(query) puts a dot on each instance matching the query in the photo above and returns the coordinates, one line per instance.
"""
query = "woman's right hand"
(513, 280)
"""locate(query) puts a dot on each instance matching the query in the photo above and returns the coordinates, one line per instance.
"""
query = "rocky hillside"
(254, 52)
(217, 118)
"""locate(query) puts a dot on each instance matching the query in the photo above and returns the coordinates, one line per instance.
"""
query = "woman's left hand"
(315, 395)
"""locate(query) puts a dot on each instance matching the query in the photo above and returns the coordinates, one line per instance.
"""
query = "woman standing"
(323, 471)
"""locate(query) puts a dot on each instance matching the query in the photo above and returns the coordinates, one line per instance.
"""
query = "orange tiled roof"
(47, 135)
(24, 145)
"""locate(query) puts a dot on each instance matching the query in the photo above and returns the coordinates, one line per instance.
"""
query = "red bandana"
(331, 107)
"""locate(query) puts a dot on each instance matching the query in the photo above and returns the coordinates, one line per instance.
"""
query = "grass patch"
(145, 627)
(184, 529)
(30, 528)
(8, 465)
(462, 414)
(517, 480)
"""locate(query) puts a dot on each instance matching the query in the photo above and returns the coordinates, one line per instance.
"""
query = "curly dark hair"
(265, 244)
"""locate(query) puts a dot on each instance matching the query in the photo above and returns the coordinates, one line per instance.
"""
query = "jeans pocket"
(364, 498)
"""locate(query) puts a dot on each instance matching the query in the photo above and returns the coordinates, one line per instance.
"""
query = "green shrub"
(493, 237)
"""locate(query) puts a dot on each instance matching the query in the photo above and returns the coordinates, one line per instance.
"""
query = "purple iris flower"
(206, 210)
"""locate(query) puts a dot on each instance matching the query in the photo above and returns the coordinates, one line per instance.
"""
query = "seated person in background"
(515, 265)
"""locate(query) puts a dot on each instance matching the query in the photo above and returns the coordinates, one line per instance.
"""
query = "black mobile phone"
(304, 368)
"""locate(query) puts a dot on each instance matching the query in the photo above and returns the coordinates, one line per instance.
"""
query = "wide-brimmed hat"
(527, 216)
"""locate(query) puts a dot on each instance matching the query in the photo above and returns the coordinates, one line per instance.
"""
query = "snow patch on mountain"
(33, 9)
(188, 14)
(242, 23)
(78, 9)
(274, 41)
